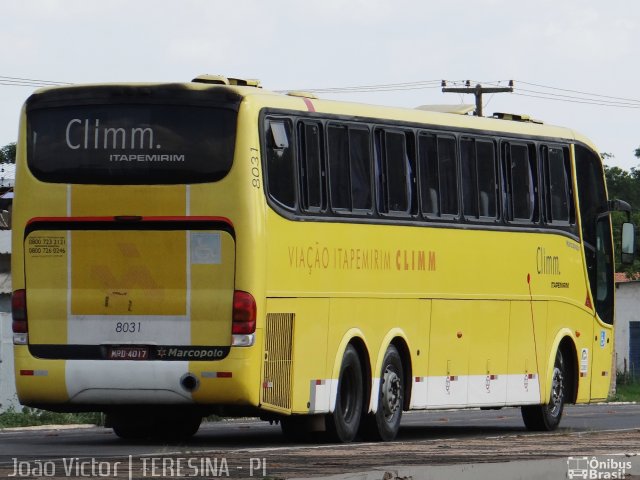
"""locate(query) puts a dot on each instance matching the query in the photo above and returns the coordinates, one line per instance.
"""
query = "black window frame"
(477, 216)
(293, 142)
(304, 166)
(506, 178)
(423, 139)
(382, 169)
(547, 203)
(437, 136)
(350, 127)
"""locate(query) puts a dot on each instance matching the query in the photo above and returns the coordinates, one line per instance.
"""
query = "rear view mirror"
(628, 243)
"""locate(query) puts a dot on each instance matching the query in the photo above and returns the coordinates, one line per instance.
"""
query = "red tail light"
(244, 313)
(19, 311)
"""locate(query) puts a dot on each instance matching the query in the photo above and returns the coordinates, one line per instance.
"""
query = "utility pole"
(478, 90)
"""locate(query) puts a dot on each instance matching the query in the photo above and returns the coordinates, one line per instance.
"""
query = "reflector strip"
(420, 379)
(216, 374)
(320, 382)
(34, 373)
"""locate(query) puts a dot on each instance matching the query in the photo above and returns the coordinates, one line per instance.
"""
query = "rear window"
(131, 143)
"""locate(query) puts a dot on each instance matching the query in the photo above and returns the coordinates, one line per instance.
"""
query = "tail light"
(19, 325)
(244, 313)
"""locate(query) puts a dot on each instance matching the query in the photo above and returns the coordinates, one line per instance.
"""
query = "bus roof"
(438, 115)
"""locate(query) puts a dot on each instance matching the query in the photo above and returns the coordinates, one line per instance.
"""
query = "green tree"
(624, 185)
(8, 153)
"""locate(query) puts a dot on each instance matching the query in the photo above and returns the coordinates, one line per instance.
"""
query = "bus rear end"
(124, 260)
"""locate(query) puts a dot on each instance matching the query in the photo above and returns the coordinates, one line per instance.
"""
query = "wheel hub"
(390, 392)
(557, 392)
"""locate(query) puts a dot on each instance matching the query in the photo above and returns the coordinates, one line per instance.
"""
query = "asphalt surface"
(249, 448)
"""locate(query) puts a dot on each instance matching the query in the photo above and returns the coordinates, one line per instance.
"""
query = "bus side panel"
(449, 349)
(527, 335)
(488, 329)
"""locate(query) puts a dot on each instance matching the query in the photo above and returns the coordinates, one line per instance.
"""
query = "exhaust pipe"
(189, 382)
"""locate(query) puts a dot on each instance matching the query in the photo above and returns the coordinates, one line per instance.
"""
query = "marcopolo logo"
(191, 353)
(597, 467)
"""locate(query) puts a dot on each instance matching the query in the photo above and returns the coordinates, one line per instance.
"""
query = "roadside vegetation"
(32, 416)
(627, 388)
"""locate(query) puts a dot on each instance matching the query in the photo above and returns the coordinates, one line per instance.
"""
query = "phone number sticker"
(47, 246)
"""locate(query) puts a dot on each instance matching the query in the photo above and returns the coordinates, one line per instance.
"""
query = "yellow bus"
(213, 247)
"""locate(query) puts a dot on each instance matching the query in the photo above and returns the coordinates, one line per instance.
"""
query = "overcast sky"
(579, 45)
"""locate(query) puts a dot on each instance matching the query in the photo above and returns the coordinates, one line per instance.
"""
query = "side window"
(520, 177)
(469, 178)
(349, 168)
(438, 175)
(558, 194)
(360, 164)
(397, 169)
(487, 180)
(478, 166)
(280, 162)
(311, 166)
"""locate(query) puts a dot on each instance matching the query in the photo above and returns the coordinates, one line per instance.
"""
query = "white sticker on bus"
(205, 248)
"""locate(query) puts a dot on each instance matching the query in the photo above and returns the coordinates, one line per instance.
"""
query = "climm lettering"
(88, 134)
(415, 260)
(547, 264)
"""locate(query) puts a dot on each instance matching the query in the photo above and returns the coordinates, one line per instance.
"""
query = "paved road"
(426, 438)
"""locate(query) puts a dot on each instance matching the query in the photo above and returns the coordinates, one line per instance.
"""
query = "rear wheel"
(168, 425)
(294, 428)
(342, 425)
(178, 427)
(547, 417)
(385, 423)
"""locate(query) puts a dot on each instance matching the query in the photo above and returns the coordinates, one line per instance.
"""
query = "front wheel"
(342, 425)
(547, 417)
(385, 423)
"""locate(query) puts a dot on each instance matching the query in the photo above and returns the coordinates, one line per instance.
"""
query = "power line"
(578, 97)
(29, 82)
(579, 92)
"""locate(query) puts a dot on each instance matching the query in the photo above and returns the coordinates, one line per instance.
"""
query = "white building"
(8, 397)
(627, 325)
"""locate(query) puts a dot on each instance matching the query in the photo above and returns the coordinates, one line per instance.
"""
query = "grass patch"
(627, 388)
(33, 416)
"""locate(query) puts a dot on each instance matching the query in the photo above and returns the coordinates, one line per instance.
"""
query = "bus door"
(595, 225)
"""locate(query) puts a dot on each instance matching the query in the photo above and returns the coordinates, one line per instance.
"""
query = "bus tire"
(343, 424)
(547, 417)
(129, 426)
(294, 429)
(385, 423)
(178, 427)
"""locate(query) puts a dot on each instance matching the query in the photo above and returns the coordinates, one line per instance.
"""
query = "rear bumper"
(85, 383)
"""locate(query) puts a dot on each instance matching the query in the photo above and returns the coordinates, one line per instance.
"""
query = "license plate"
(128, 353)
